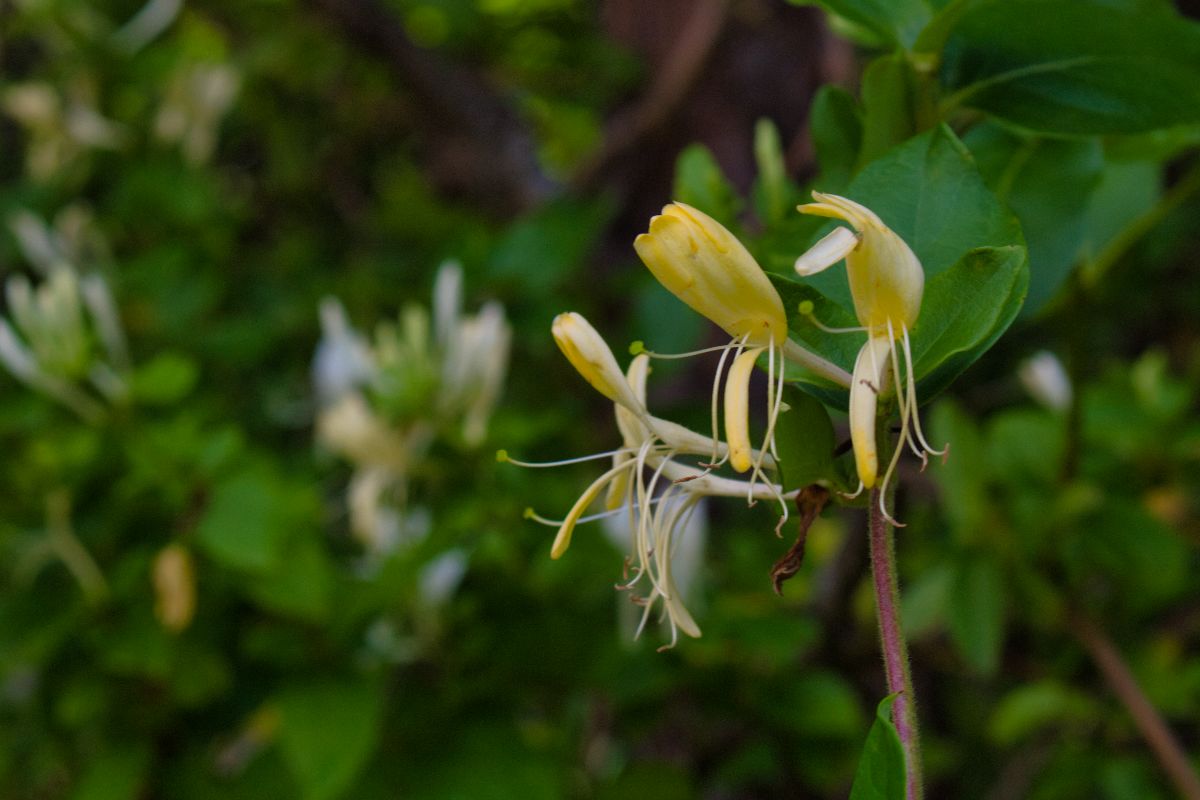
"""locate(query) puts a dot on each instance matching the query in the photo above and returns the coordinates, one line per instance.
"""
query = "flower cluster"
(382, 404)
(661, 470)
(63, 336)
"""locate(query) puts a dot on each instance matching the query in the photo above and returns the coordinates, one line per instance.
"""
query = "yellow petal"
(886, 278)
(563, 540)
(870, 370)
(592, 358)
(737, 409)
(705, 266)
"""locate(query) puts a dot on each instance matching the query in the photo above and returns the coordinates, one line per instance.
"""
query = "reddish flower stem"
(894, 646)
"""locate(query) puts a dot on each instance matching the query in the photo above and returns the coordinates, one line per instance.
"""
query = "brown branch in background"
(1153, 727)
(670, 87)
(479, 145)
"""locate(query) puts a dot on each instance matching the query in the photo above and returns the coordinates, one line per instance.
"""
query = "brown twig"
(484, 146)
(666, 94)
(1162, 742)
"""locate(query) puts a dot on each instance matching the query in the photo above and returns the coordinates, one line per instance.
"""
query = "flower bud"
(593, 359)
(886, 279)
(705, 266)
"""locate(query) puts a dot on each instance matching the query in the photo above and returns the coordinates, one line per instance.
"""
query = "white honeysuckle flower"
(1046, 380)
(382, 403)
(144, 27)
(487, 341)
(661, 504)
(887, 284)
(196, 100)
(447, 303)
(441, 577)
(48, 342)
(72, 242)
(58, 130)
(373, 518)
(343, 361)
(351, 429)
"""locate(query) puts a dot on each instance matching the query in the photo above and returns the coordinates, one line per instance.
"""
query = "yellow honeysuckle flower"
(649, 445)
(887, 284)
(705, 266)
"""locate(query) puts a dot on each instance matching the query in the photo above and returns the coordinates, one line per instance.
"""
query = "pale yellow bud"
(174, 587)
(592, 358)
(705, 266)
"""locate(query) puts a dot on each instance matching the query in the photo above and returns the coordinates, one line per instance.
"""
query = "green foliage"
(881, 771)
(1137, 69)
(930, 193)
(892, 23)
(187, 606)
(327, 732)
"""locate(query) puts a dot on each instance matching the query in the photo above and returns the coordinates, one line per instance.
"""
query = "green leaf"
(966, 309)
(116, 774)
(881, 769)
(805, 436)
(561, 233)
(244, 525)
(930, 193)
(817, 704)
(302, 584)
(1127, 190)
(165, 379)
(963, 478)
(976, 613)
(1048, 184)
(1028, 709)
(328, 731)
(1076, 67)
(700, 182)
(836, 127)
(887, 89)
(894, 22)
(923, 604)
(773, 193)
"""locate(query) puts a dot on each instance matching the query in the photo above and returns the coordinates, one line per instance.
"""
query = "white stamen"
(912, 393)
(503, 456)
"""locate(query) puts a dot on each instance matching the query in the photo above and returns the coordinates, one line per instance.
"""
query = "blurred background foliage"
(190, 607)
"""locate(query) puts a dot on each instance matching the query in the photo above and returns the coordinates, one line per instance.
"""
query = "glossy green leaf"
(328, 730)
(836, 127)
(1048, 184)
(881, 769)
(1076, 66)
(976, 613)
(894, 22)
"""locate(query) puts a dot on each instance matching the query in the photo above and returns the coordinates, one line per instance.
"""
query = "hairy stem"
(1166, 748)
(895, 648)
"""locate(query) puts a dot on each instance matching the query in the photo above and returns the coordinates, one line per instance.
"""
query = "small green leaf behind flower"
(881, 770)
